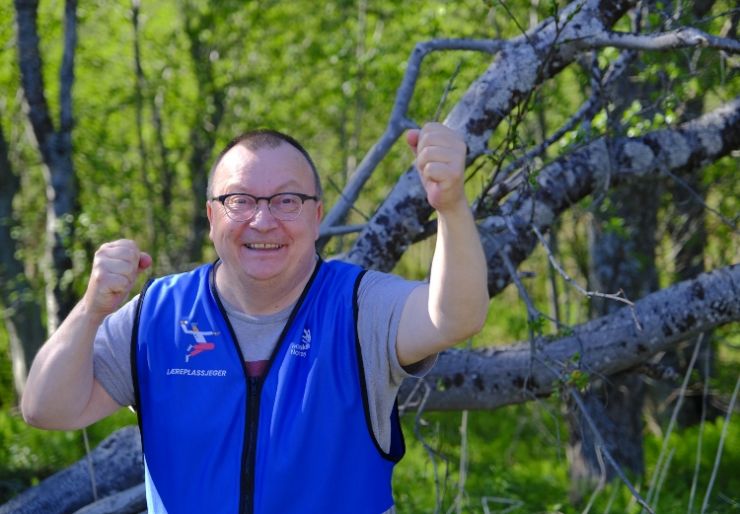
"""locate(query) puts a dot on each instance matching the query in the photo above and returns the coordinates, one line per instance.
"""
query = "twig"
(674, 417)
(589, 294)
(409, 402)
(700, 436)
(512, 504)
(341, 230)
(602, 481)
(507, 180)
(718, 456)
(684, 37)
(532, 313)
(418, 421)
(663, 474)
(446, 92)
(531, 310)
(90, 467)
(398, 123)
(699, 199)
(600, 442)
(463, 469)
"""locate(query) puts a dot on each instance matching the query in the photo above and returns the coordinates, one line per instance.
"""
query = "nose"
(263, 218)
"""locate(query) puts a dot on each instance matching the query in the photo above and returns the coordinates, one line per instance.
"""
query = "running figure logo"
(201, 345)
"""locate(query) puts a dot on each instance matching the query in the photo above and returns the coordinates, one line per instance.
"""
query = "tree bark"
(517, 70)
(623, 259)
(488, 378)
(118, 465)
(55, 147)
(20, 310)
(601, 164)
(208, 116)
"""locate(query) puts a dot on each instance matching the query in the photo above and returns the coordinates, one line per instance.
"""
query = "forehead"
(266, 169)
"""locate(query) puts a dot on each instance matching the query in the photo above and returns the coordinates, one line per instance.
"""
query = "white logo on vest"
(301, 350)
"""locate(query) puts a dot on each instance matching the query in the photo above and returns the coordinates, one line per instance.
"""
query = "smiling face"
(278, 256)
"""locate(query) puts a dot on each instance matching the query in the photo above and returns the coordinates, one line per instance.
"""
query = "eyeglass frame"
(302, 196)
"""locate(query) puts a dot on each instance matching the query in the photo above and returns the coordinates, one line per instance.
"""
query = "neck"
(261, 297)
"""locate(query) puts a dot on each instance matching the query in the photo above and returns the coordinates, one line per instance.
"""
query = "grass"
(516, 456)
(517, 461)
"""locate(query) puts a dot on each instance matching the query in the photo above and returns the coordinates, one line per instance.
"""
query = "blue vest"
(298, 440)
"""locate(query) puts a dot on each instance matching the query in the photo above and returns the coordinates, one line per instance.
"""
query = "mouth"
(263, 246)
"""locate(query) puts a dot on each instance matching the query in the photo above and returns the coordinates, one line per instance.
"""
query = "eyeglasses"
(283, 206)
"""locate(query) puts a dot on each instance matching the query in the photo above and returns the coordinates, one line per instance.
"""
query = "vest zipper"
(254, 388)
(254, 385)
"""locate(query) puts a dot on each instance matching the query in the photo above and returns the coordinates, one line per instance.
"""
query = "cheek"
(221, 230)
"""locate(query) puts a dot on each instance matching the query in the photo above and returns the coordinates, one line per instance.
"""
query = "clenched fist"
(115, 268)
(440, 159)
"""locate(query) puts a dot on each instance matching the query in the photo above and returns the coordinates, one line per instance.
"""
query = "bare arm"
(61, 391)
(455, 303)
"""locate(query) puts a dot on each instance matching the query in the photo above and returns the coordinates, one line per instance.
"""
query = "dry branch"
(118, 466)
(495, 376)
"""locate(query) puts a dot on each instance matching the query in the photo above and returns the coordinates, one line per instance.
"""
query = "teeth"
(263, 246)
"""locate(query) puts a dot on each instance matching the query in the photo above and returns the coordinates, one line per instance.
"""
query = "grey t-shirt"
(381, 297)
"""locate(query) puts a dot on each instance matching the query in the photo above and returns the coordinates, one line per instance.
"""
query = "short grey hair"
(264, 138)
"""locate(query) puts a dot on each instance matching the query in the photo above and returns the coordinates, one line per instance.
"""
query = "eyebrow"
(290, 186)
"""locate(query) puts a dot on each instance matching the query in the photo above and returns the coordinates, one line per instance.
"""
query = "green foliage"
(517, 454)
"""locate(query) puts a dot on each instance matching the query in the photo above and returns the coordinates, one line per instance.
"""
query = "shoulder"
(377, 283)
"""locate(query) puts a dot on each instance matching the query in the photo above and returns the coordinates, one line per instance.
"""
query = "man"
(266, 382)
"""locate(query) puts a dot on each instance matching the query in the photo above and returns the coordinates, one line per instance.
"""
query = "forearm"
(60, 382)
(458, 294)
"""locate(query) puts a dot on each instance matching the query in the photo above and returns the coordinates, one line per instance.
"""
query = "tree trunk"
(208, 116)
(20, 310)
(55, 147)
(117, 463)
(623, 259)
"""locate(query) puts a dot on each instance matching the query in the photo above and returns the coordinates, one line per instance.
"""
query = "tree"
(523, 188)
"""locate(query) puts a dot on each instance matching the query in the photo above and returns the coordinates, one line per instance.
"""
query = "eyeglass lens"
(284, 206)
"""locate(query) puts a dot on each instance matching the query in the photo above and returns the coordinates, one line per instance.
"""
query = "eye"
(286, 202)
(239, 202)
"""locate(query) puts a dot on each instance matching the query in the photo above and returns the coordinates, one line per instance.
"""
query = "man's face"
(265, 249)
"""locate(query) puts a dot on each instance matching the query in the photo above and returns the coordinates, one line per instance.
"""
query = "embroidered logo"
(201, 345)
(301, 350)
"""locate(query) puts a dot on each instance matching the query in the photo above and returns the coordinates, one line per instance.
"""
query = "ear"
(209, 214)
(319, 215)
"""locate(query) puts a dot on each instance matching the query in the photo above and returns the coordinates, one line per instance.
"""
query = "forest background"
(108, 129)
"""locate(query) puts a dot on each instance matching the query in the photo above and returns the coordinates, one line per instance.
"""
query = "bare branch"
(517, 70)
(697, 197)
(588, 294)
(341, 230)
(487, 378)
(587, 170)
(685, 37)
(398, 123)
(588, 109)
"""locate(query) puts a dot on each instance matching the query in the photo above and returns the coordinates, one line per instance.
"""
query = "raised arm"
(453, 306)
(61, 392)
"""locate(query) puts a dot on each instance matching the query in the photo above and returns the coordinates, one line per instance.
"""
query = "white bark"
(491, 377)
